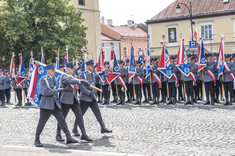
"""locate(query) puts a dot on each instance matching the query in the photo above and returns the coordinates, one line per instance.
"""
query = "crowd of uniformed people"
(78, 95)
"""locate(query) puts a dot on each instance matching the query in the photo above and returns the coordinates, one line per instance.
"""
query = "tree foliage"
(28, 25)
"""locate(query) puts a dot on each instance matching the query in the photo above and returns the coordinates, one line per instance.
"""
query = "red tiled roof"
(106, 38)
(200, 8)
(128, 32)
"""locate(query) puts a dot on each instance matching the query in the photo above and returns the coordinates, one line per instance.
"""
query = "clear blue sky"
(137, 10)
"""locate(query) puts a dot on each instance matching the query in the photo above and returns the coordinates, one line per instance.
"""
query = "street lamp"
(178, 11)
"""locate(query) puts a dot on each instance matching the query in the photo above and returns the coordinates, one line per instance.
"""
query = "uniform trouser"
(8, 94)
(155, 90)
(196, 90)
(129, 91)
(76, 108)
(106, 92)
(26, 93)
(172, 90)
(95, 109)
(138, 91)
(209, 88)
(2, 96)
(19, 95)
(146, 88)
(113, 89)
(98, 93)
(217, 89)
(189, 89)
(200, 91)
(180, 91)
(164, 91)
(121, 94)
(228, 87)
(44, 116)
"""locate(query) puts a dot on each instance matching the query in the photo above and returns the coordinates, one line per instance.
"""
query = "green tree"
(28, 25)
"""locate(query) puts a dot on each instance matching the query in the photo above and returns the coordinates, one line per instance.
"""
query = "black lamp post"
(178, 10)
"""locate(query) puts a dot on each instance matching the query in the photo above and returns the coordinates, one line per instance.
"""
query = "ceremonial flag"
(12, 66)
(34, 90)
(147, 63)
(132, 68)
(31, 65)
(100, 67)
(57, 75)
(12, 69)
(83, 65)
(114, 68)
(221, 60)
(182, 62)
(201, 57)
(196, 36)
(66, 57)
(164, 65)
(22, 75)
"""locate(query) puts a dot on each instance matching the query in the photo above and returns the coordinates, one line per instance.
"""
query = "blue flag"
(147, 63)
(41, 73)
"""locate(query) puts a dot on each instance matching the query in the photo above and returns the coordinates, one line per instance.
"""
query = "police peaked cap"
(90, 62)
(69, 65)
(50, 66)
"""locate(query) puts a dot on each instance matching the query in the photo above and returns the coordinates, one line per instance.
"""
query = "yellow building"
(212, 18)
(91, 15)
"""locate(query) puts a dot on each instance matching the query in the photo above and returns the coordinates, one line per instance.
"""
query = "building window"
(124, 51)
(172, 34)
(81, 2)
(206, 30)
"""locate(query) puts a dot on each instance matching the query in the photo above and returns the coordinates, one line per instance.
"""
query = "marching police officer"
(105, 88)
(49, 104)
(123, 75)
(69, 100)
(88, 95)
(137, 82)
(17, 88)
(2, 89)
(7, 87)
(228, 82)
(208, 80)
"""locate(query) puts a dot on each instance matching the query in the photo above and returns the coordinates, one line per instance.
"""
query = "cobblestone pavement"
(143, 130)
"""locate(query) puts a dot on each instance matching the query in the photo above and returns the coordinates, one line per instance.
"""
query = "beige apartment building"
(212, 18)
(91, 15)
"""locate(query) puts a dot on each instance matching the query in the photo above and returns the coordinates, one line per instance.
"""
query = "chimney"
(102, 20)
(110, 22)
(130, 23)
(135, 25)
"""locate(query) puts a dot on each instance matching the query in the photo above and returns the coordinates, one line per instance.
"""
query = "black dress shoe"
(18, 105)
(85, 137)
(105, 130)
(75, 132)
(70, 140)
(187, 103)
(169, 103)
(37, 143)
(207, 103)
(59, 138)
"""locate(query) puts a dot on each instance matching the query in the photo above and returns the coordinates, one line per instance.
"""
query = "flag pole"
(116, 88)
(222, 91)
(151, 91)
(72, 77)
(13, 53)
(184, 86)
(202, 85)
